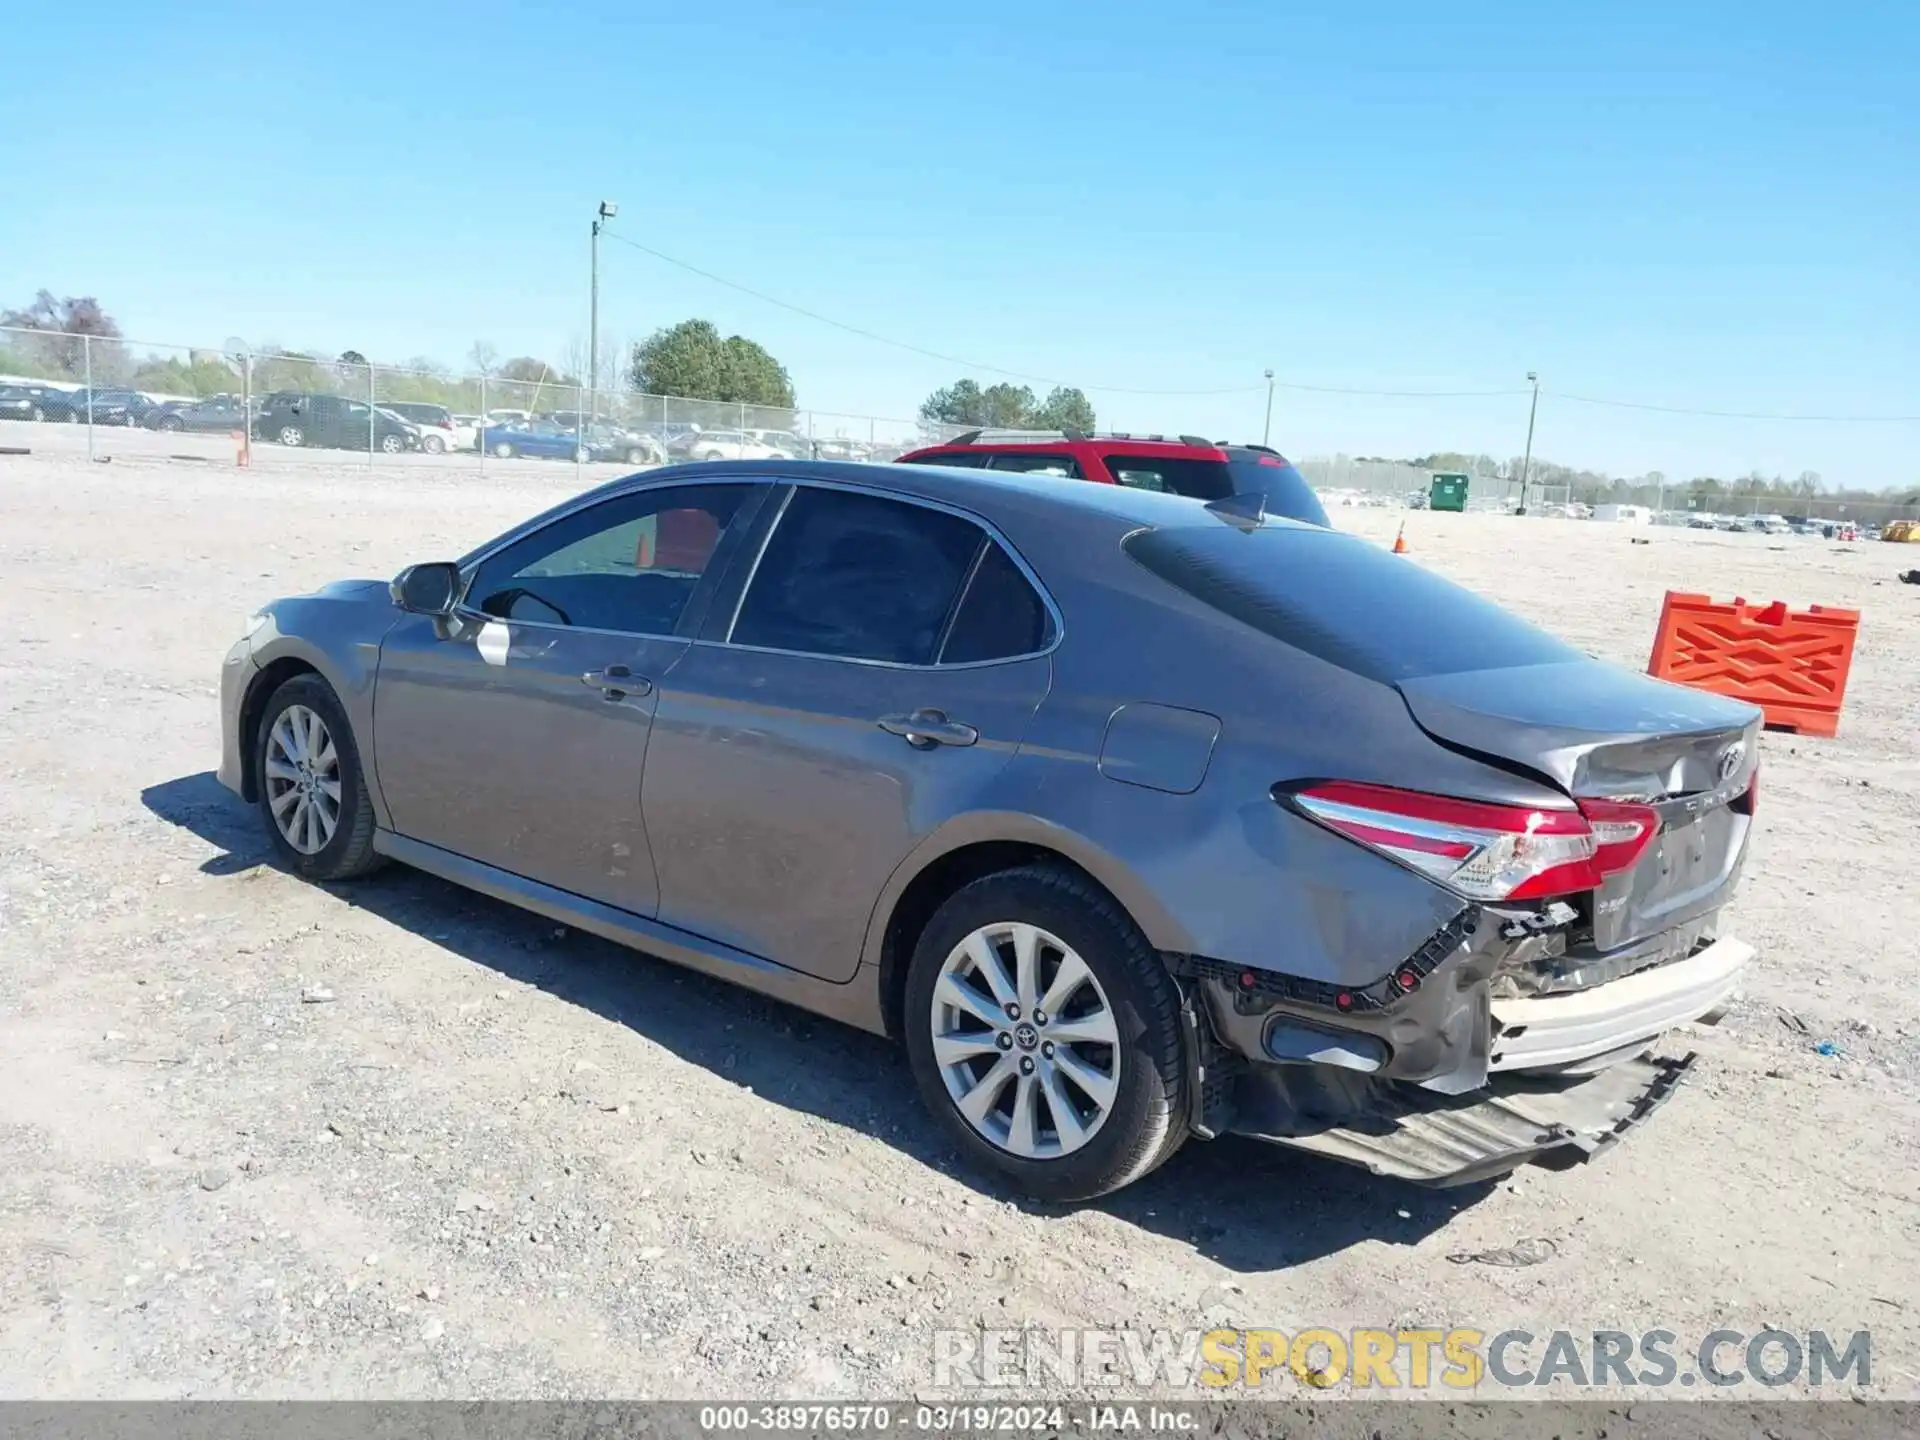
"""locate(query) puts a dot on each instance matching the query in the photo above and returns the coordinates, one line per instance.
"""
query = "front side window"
(628, 565)
(857, 577)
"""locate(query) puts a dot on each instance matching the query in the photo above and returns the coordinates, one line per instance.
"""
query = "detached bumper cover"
(1436, 1140)
(1553, 1031)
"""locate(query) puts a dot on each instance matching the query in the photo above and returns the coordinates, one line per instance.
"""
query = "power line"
(965, 364)
(1738, 414)
(1295, 385)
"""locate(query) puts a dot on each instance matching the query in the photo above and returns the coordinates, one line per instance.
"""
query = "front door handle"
(616, 682)
(924, 729)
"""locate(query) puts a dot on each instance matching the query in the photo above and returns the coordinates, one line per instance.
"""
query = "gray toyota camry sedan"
(1134, 818)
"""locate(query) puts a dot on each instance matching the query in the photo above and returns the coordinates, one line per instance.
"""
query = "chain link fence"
(277, 409)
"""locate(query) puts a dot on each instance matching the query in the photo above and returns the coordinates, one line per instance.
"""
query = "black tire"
(172, 423)
(292, 435)
(503, 451)
(1147, 1122)
(391, 444)
(350, 852)
(433, 445)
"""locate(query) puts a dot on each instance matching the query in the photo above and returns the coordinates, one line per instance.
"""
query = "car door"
(872, 680)
(514, 733)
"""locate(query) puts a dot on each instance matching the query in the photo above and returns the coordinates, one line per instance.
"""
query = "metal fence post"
(246, 409)
(480, 434)
(86, 353)
(372, 416)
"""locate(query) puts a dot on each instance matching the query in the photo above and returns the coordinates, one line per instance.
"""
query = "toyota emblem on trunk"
(1730, 759)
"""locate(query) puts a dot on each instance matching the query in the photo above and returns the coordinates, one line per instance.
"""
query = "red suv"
(1180, 465)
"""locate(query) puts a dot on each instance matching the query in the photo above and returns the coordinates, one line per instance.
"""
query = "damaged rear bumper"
(1441, 1140)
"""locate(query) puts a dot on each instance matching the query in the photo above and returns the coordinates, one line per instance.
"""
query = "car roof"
(983, 491)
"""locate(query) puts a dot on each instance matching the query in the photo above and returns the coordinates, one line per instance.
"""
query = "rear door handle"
(924, 729)
(616, 682)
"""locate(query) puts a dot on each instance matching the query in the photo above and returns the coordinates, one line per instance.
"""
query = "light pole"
(1266, 430)
(607, 211)
(1526, 462)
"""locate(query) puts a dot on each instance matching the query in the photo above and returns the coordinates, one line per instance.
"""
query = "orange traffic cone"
(1400, 540)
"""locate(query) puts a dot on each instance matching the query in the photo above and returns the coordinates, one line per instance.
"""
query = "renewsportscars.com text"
(1447, 1360)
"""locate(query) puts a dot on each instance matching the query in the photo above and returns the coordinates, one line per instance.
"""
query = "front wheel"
(713, 455)
(392, 444)
(292, 435)
(636, 456)
(434, 445)
(503, 450)
(172, 423)
(313, 794)
(1044, 1033)
(581, 455)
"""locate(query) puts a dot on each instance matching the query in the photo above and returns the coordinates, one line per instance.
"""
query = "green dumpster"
(1449, 492)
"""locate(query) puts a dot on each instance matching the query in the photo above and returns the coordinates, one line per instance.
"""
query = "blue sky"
(1711, 206)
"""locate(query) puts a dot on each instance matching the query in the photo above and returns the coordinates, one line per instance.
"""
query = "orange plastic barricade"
(1793, 664)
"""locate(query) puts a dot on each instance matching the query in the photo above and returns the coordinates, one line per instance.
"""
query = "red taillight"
(1487, 852)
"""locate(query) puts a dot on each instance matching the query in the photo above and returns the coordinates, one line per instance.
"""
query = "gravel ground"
(395, 1140)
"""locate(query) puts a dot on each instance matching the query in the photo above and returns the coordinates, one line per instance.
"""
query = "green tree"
(692, 361)
(1007, 407)
(1065, 409)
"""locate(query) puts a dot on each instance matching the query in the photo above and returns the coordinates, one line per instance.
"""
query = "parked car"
(540, 439)
(103, 405)
(632, 447)
(783, 442)
(1186, 466)
(300, 417)
(33, 402)
(839, 447)
(215, 413)
(732, 445)
(679, 438)
(1135, 818)
(438, 432)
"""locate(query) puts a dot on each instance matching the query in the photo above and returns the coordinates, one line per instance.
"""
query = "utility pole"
(607, 211)
(1526, 463)
(1266, 430)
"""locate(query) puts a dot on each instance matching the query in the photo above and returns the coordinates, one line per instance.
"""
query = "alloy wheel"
(1026, 1041)
(303, 779)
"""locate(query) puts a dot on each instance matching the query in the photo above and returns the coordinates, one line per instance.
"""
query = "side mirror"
(428, 589)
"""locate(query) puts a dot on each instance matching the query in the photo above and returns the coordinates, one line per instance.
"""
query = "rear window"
(1344, 600)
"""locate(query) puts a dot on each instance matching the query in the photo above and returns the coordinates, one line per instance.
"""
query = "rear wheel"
(581, 455)
(713, 455)
(313, 793)
(433, 445)
(1044, 1033)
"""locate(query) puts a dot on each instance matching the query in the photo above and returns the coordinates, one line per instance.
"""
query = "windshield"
(1344, 599)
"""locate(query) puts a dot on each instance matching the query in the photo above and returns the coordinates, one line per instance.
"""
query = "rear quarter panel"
(1225, 871)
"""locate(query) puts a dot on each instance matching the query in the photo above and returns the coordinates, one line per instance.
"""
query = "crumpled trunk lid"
(1596, 729)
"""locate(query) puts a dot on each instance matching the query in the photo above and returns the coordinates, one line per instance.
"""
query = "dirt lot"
(505, 1161)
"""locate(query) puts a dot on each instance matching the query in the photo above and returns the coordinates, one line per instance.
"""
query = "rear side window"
(858, 577)
(1065, 466)
(957, 459)
(1344, 600)
(1247, 472)
(1000, 616)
